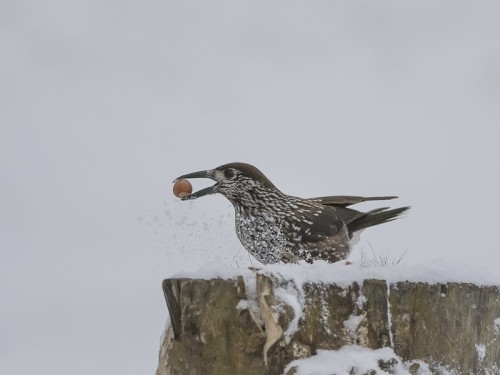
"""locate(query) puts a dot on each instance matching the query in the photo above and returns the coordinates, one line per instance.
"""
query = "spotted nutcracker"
(275, 227)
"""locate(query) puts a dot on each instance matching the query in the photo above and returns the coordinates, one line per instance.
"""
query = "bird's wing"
(320, 224)
(347, 200)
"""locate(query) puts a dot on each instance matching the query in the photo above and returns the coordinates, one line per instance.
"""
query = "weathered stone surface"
(446, 323)
(227, 327)
(328, 307)
(215, 337)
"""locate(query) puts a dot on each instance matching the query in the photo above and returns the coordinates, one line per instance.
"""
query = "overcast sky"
(104, 102)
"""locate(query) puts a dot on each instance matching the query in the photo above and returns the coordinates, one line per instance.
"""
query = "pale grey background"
(104, 102)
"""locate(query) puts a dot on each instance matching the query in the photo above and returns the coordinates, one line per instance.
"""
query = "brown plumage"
(275, 227)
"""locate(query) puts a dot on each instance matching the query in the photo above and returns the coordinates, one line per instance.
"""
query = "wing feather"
(347, 200)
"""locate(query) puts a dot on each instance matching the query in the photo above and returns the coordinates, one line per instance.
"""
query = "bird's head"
(233, 180)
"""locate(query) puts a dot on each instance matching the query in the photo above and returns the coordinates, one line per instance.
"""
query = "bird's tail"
(375, 217)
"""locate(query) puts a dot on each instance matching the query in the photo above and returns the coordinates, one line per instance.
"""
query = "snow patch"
(344, 275)
(351, 325)
(355, 360)
(244, 304)
(360, 302)
(496, 322)
(389, 314)
(481, 352)
(293, 297)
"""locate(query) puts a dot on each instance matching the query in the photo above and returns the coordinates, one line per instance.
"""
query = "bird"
(278, 228)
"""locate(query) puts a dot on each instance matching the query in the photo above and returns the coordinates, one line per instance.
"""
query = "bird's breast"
(262, 236)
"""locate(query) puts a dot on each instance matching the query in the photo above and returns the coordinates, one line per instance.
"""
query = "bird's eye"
(229, 174)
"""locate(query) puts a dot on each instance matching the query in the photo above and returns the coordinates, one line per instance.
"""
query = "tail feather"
(375, 217)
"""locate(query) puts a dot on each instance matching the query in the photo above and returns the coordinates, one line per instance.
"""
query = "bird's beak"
(201, 174)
